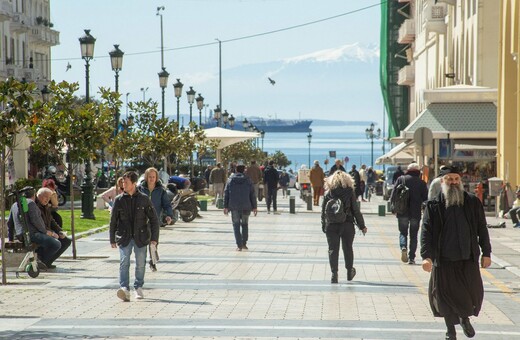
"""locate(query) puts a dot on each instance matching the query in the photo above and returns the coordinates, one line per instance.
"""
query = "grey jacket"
(239, 193)
(35, 222)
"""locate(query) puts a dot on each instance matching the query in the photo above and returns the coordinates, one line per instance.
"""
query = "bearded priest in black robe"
(454, 239)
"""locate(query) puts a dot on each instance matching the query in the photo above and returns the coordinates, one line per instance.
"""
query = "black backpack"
(401, 200)
(335, 211)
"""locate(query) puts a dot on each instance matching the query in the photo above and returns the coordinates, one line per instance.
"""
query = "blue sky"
(135, 26)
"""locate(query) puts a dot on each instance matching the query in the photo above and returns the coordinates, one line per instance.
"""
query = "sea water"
(347, 140)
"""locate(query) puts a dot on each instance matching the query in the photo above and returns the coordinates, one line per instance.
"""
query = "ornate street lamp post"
(144, 90)
(262, 134)
(309, 138)
(116, 59)
(231, 120)
(245, 124)
(177, 88)
(217, 115)
(200, 105)
(163, 83)
(191, 99)
(87, 43)
(371, 134)
(225, 118)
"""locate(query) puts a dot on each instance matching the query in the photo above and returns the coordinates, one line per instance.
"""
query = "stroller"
(20, 249)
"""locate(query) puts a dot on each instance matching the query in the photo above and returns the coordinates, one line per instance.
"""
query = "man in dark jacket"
(453, 234)
(271, 178)
(398, 173)
(240, 199)
(410, 220)
(133, 225)
(337, 166)
(357, 181)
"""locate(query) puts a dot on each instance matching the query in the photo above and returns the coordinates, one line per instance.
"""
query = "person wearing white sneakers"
(133, 226)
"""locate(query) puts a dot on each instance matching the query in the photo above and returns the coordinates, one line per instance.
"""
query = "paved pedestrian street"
(279, 289)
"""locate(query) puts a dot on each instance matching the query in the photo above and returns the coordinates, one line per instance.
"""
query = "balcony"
(434, 19)
(44, 36)
(448, 2)
(407, 32)
(406, 76)
(19, 23)
(6, 11)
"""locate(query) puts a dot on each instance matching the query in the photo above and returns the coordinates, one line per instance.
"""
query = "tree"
(244, 151)
(79, 130)
(17, 107)
(280, 159)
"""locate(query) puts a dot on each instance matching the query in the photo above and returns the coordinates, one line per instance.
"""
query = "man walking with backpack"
(409, 193)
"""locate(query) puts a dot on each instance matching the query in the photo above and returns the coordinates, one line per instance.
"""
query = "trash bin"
(203, 205)
(379, 188)
(382, 210)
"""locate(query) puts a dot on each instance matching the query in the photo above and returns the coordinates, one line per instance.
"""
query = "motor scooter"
(184, 203)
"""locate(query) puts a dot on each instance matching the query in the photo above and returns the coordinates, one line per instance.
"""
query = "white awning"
(474, 147)
(400, 154)
(227, 137)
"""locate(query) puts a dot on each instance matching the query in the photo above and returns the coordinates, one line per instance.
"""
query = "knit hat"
(450, 169)
(414, 166)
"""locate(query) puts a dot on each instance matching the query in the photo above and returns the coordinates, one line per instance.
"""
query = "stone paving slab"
(279, 289)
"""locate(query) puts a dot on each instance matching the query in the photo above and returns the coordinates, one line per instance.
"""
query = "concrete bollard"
(382, 211)
(309, 203)
(288, 192)
(292, 205)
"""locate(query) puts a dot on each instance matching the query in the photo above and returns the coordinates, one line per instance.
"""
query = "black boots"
(468, 329)
(351, 273)
(334, 278)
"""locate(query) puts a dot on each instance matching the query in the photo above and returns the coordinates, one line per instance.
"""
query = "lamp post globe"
(245, 124)
(177, 88)
(225, 118)
(217, 115)
(45, 93)
(200, 105)
(87, 43)
(231, 122)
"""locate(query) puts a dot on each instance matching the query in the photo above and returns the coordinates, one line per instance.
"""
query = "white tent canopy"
(228, 137)
(398, 155)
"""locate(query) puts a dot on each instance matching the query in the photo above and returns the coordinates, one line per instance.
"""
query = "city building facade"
(26, 38)
(444, 54)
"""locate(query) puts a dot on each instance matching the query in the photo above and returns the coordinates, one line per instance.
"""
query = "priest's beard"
(453, 194)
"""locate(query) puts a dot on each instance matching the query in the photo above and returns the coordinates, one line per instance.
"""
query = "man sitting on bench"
(43, 197)
(46, 240)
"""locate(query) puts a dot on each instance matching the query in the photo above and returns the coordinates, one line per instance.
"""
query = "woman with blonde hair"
(156, 191)
(110, 195)
(341, 187)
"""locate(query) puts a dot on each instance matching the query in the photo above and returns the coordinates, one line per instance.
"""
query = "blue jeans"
(48, 246)
(124, 265)
(240, 218)
(404, 224)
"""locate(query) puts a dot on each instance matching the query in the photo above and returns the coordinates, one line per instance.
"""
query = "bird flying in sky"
(271, 81)
(68, 67)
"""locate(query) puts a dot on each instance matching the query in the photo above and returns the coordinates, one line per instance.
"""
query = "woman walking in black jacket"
(341, 186)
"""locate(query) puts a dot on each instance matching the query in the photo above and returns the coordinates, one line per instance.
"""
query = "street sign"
(332, 154)
(423, 136)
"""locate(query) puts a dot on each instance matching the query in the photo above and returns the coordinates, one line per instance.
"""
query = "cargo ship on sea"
(271, 125)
